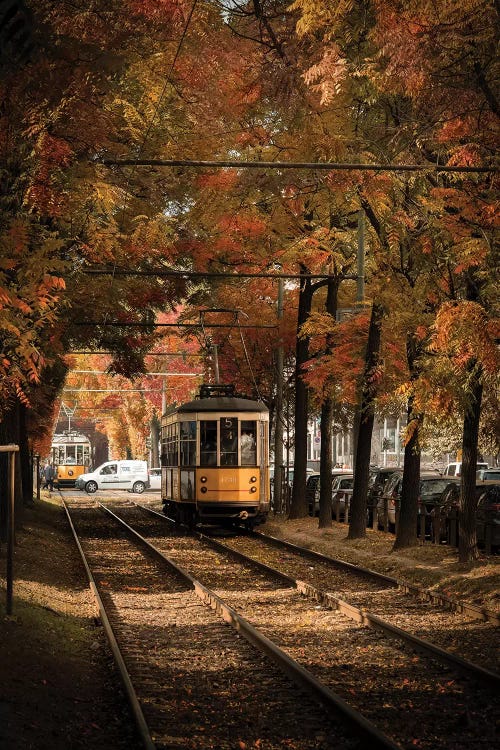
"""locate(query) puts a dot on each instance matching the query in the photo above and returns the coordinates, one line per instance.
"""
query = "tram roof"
(219, 403)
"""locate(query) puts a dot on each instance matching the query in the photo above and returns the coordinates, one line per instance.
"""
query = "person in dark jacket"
(48, 477)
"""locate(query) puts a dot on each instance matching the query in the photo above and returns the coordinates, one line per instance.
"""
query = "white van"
(116, 475)
(455, 469)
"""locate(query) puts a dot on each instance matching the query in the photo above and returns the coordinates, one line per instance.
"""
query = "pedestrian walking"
(48, 477)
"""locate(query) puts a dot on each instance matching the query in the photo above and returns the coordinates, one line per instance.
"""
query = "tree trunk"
(327, 409)
(406, 532)
(467, 540)
(25, 464)
(357, 525)
(155, 441)
(325, 465)
(298, 507)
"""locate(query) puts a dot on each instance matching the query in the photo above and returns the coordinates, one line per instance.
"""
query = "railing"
(439, 529)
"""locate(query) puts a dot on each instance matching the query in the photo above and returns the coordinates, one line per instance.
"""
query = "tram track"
(332, 648)
(426, 621)
(379, 600)
(196, 684)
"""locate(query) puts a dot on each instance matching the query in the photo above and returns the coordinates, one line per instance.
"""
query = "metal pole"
(11, 450)
(216, 363)
(278, 427)
(360, 296)
(37, 459)
(10, 535)
(164, 397)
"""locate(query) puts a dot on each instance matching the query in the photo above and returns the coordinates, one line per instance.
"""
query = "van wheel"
(91, 487)
(139, 487)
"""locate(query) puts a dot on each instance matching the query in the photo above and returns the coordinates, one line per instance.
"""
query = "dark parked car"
(311, 484)
(379, 476)
(432, 486)
(488, 474)
(312, 489)
(341, 494)
(487, 513)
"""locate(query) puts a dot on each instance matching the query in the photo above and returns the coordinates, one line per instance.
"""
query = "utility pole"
(216, 363)
(278, 423)
(360, 298)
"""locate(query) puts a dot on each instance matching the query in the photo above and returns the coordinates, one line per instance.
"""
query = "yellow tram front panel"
(231, 484)
(67, 475)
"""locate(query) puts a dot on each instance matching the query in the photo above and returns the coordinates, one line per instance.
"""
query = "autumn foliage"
(384, 83)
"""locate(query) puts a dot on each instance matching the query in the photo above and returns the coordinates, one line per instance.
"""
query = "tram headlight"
(253, 479)
(253, 489)
(203, 489)
(203, 479)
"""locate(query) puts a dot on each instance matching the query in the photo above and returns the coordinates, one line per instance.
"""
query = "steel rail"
(362, 616)
(289, 666)
(479, 613)
(125, 677)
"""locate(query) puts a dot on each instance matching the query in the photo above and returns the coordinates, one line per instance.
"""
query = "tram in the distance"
(70, 454)
(215, 459)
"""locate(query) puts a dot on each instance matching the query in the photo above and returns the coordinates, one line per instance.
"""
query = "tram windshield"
(229, 441)
(208, 442)
(71, 454)
(248, 443)
(230, 452)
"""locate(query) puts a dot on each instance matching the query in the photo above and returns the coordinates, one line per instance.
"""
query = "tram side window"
(169, 445)
(172, 445)
(188, 443)
(164, 442)
(208, 442)
(228, 441)
(248, 443)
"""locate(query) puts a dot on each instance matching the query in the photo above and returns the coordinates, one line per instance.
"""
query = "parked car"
(488, 474)
(313, 489)
(455, 469)
(432, 485)
(379, 476)
(487, 513)
(341, 493)
(155, 479)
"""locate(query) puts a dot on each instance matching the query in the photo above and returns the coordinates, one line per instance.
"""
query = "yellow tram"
(70, 453)
(215, 459)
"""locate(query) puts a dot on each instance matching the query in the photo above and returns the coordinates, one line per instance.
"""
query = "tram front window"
(208, 442)
(248, 443)
(228, 441)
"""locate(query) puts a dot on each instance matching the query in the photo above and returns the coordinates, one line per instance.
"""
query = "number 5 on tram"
(215, 459)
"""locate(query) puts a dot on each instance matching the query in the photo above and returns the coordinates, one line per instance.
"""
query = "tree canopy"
(273, 81)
